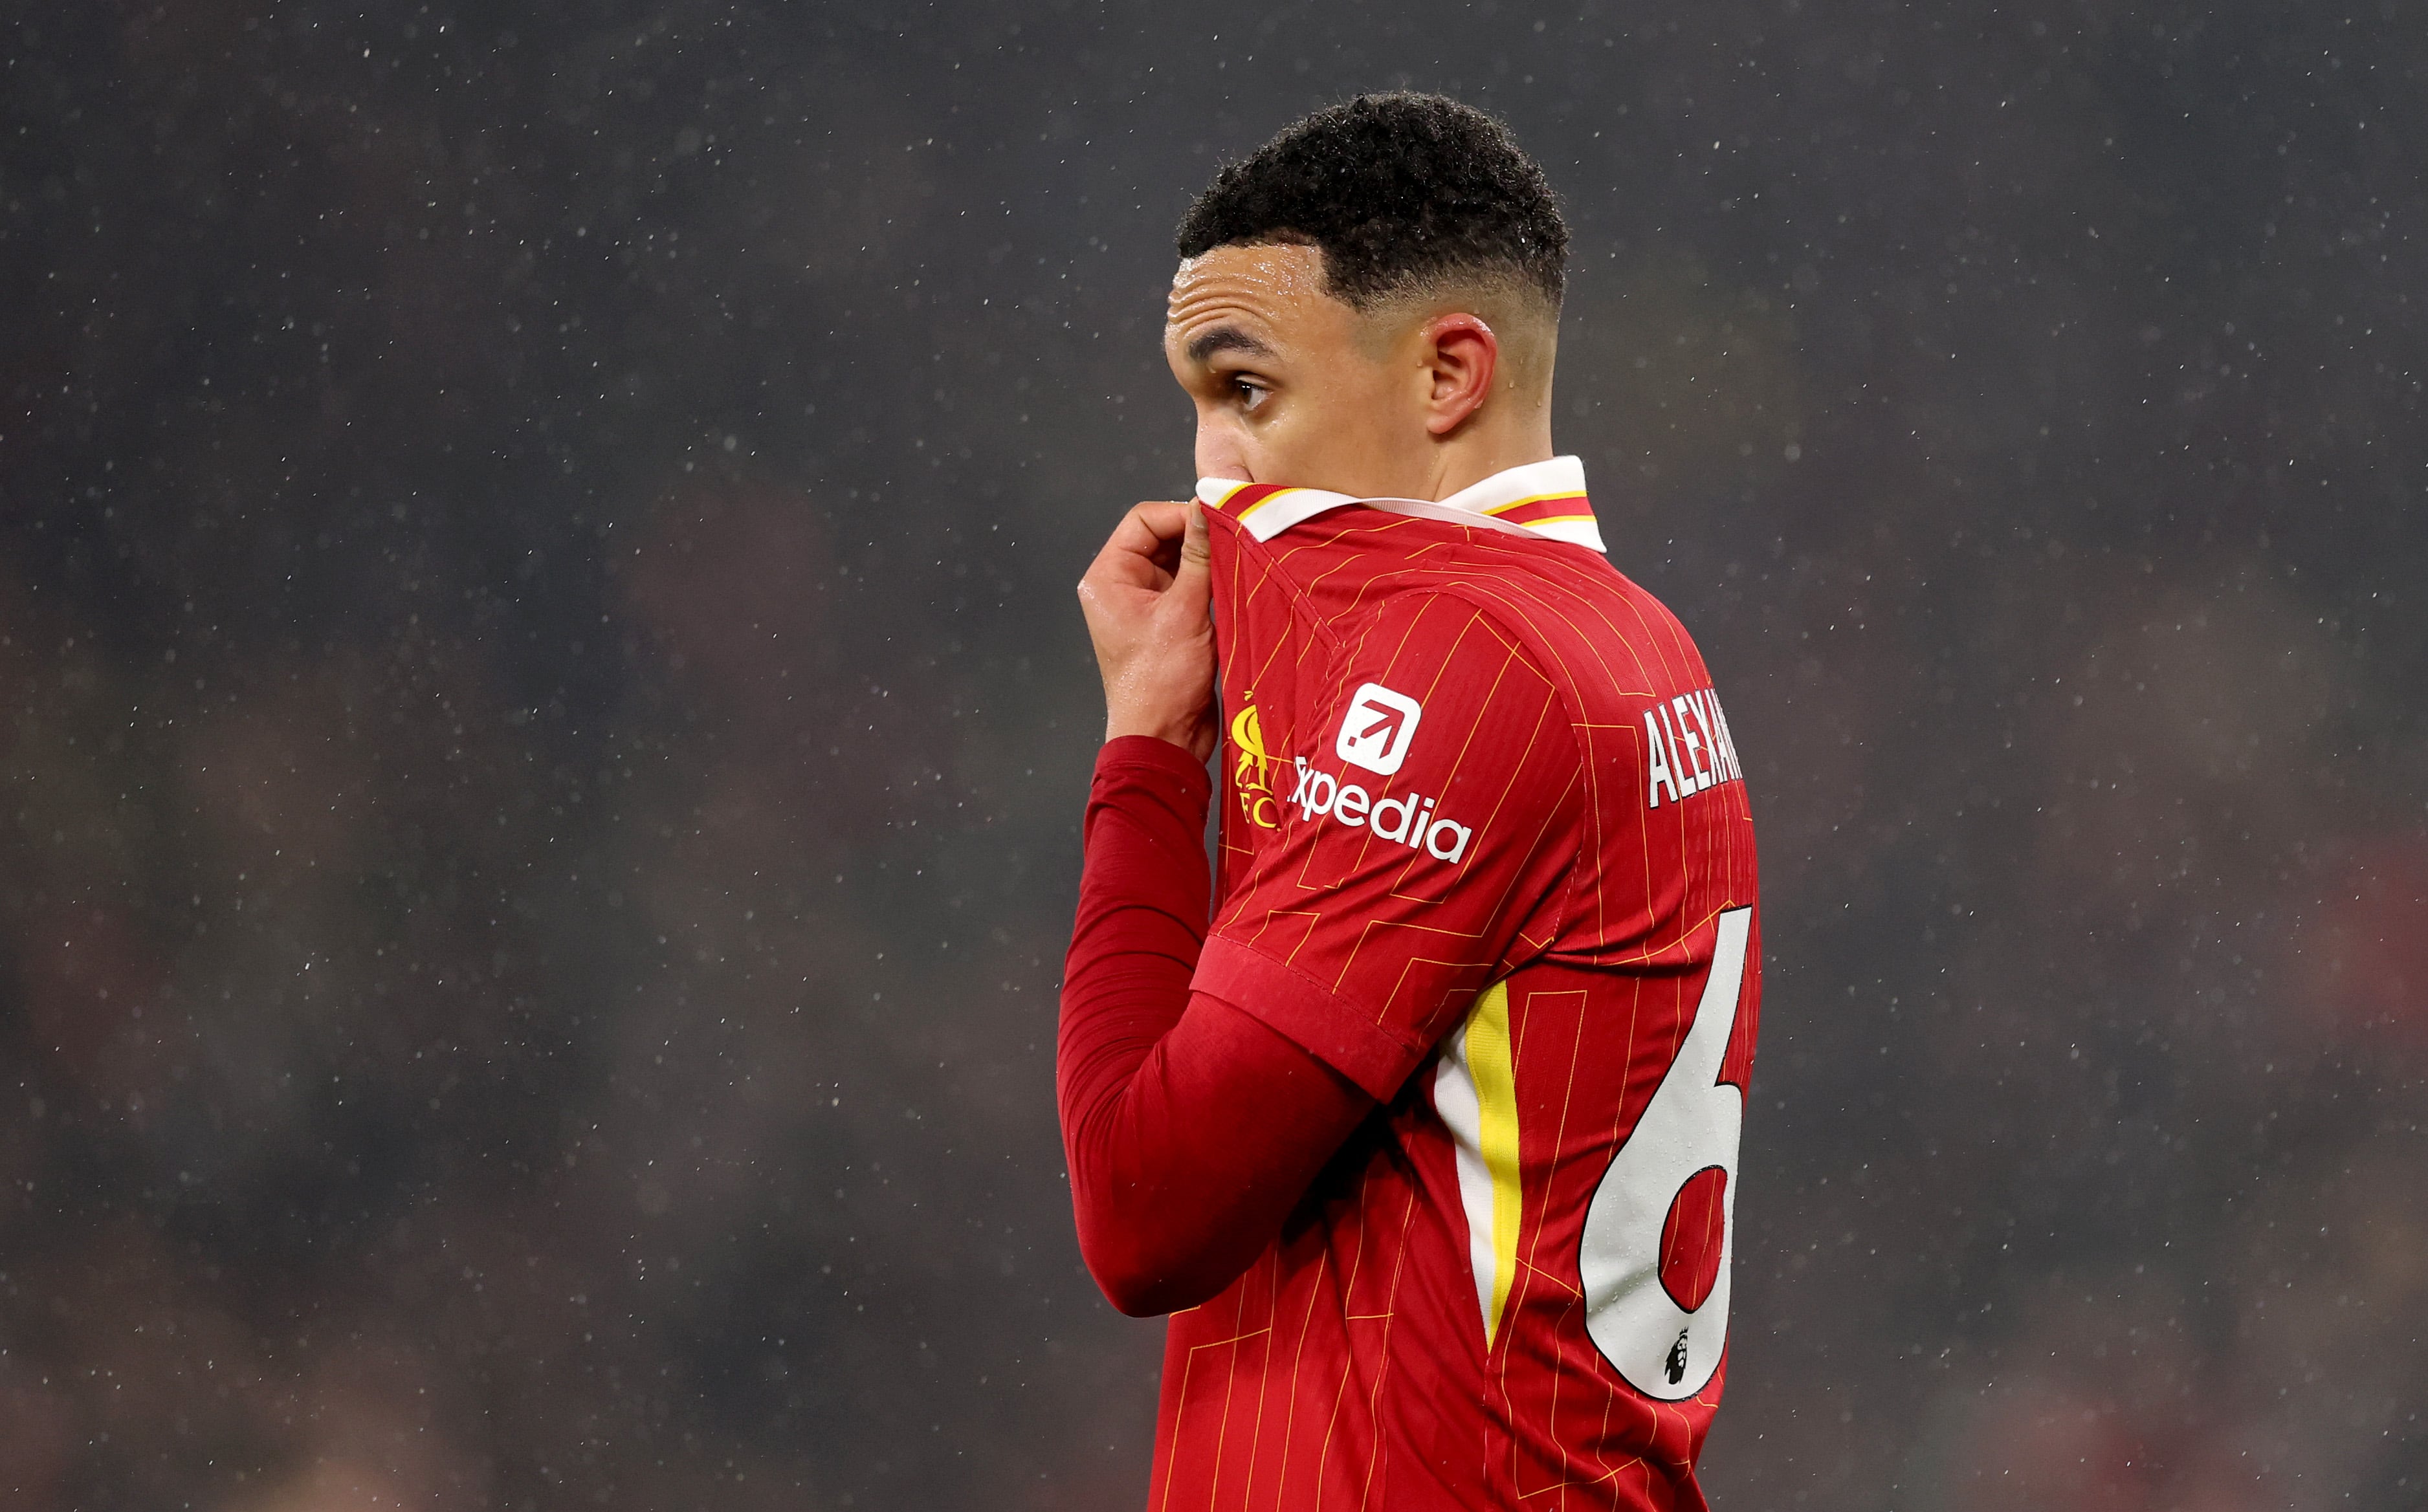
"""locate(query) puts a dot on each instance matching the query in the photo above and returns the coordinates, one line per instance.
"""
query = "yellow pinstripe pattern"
(1620, 650)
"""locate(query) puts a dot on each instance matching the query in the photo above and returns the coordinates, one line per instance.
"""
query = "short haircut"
(1403, 193)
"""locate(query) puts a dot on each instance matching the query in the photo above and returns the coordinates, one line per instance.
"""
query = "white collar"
(1546, 498)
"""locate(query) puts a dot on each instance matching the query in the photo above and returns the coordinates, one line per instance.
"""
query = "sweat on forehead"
(1269, 270)
(1239, 297)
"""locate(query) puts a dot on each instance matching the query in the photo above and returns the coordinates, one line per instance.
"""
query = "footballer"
(1420, 1114)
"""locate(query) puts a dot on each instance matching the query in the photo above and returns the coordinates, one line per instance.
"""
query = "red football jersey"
(1486, 850)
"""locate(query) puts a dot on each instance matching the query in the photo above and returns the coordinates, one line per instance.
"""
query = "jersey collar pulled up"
(1546, 498)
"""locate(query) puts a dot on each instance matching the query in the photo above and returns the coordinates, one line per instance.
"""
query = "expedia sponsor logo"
(1408, 821)
(1377, 730)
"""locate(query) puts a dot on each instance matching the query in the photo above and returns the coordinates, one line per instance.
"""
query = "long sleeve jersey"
(1427, 1119)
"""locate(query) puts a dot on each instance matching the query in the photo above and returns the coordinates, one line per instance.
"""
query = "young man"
(1429, 1142)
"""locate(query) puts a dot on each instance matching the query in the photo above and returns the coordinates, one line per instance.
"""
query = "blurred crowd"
(545, 725)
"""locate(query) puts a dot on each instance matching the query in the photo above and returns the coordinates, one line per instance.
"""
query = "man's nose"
(1219, 453)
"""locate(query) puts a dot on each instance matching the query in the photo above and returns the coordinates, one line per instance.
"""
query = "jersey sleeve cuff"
(1310, 1015)
(1130, 755)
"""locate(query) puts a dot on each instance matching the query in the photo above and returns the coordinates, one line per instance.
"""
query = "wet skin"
(1293, 386)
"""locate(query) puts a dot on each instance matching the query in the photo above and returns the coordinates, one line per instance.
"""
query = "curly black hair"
(1400, 191)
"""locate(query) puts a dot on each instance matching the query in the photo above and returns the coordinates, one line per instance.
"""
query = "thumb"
(1193, 582)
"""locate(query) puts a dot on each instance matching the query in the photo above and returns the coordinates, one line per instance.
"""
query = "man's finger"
(1145, 530)
(1148, 526)
(1165, 517)
(1194, 583)
(1129, 554)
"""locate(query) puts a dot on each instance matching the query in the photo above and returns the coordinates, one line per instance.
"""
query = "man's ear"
(1461, 355)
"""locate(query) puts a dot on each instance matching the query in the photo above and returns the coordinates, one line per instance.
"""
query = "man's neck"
(1464, 463)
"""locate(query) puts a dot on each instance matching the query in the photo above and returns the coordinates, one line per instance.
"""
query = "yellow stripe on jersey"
(1535, 499)
(1490, 1062)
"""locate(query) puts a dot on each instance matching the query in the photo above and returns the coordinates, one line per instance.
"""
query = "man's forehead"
(1256, 283)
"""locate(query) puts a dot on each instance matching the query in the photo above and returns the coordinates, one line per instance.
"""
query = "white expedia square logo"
(1375, 732)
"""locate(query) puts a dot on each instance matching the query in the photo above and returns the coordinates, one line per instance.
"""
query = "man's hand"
(1149, 601)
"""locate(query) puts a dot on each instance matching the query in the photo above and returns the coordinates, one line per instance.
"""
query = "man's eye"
(1250, 392)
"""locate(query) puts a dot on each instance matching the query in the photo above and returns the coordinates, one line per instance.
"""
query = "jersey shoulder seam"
(1302, 604)
(1573, 795)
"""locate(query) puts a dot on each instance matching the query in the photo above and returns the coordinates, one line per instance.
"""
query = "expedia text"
(1408, 820)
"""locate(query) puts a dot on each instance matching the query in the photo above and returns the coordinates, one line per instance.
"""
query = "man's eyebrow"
(1226, 338)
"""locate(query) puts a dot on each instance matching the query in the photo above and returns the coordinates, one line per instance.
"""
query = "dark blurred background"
(545, 719)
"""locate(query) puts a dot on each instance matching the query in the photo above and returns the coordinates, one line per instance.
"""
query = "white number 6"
(1691, 1125)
